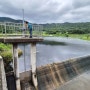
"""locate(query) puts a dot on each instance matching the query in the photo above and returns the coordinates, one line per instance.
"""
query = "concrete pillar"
(33, 65)
(3, 84)
(16, 66)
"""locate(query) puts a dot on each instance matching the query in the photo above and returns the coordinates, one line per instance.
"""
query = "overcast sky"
(47, 11)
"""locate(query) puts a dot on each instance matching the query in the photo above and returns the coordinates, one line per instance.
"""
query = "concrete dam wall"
(55, 75)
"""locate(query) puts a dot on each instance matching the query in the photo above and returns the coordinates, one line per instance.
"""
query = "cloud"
(47, 11)
(81, 3)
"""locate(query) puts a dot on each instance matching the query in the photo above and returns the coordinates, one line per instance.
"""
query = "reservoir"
(54, 49)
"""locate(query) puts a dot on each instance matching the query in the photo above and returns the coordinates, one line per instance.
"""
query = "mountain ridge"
(8, 19)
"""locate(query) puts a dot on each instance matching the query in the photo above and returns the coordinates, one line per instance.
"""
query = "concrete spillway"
(54, 76)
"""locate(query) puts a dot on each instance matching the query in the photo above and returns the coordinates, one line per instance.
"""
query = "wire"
(24, 60)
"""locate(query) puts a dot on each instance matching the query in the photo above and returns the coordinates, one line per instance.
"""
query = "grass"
(80, 36)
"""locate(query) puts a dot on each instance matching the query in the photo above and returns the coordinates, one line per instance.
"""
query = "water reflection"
(48, 42)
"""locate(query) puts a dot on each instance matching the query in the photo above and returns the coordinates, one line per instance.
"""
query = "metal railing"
(16, 29)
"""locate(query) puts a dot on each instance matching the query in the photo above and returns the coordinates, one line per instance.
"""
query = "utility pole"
(23, 17)
(23, 33)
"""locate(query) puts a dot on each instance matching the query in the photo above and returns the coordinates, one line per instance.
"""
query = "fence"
(17, 29)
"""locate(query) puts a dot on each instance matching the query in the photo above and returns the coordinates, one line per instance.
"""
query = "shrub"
(6, 53)
(4, 47)
(7, 56)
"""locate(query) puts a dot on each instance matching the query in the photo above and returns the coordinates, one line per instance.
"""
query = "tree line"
(71, 28)
(62, 28)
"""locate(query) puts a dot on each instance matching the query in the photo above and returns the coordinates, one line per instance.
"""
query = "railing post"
(5, 28)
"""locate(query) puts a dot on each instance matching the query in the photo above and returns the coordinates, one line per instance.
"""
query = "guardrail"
(17, 29)
(3, 84)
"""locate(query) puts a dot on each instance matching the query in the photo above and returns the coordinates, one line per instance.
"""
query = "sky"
(46, 11)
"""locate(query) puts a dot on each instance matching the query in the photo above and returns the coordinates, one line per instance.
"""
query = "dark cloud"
(8, 9)
(46, 11)
(80, 3)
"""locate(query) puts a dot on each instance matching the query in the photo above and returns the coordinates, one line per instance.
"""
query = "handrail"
(15, 29)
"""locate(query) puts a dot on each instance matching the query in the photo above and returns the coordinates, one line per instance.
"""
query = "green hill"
(7, 19)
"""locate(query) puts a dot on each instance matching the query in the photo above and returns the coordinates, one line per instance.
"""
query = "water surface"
(54, 49)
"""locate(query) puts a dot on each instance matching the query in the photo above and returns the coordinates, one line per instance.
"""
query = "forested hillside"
(71, 28)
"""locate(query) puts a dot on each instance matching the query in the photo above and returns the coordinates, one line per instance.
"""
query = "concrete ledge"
(25, 76)
(20, 40)
(3, 76)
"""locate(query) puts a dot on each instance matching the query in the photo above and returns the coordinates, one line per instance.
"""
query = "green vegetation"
(82, 30)
(80, 36)
(6, 53)
(4, 47)
(76, 30)
(71, 28)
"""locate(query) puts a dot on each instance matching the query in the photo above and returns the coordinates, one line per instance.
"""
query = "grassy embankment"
(79, 36)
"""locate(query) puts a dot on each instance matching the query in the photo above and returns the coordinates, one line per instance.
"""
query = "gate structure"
(13, 33)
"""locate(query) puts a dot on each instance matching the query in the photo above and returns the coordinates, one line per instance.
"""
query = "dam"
(72, 74)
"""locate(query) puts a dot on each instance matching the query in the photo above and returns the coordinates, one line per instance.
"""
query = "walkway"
(15, 40)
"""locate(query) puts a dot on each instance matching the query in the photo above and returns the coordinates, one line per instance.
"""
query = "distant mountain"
(7, 19)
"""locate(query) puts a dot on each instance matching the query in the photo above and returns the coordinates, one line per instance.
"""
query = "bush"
(7, 56)
(4, 47)
(19, 52)
(6, 53)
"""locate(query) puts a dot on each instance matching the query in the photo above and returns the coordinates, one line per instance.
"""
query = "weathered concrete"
(0, 77)
(57, 74)
(16, 66)
(3, 84)
(33, 65)
(82, 82)
(54, 75)
(25, 76)
(15, 40)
